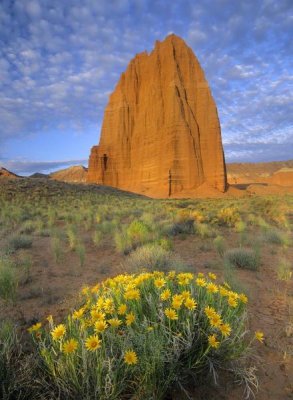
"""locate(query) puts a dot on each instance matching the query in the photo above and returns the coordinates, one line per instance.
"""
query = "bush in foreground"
(141, 335)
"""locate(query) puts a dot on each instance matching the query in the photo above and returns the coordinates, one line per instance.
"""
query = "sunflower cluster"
(128, 319)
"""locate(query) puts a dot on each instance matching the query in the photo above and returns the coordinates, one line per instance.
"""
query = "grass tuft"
(243, 258)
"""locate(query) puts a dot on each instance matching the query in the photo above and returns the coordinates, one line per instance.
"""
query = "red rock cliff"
(161, 134)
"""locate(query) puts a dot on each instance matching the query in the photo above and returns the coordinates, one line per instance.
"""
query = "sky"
(60, 60)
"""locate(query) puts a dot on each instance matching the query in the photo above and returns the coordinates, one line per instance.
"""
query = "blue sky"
(60, 60)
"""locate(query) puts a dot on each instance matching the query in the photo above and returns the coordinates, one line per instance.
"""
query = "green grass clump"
(122, 241)
(97, 237)
(57, 247)
(205, 231)
(17, 369)
(72, 237)
(152, 257)
(219, 243)
(8, 279)
(284, 270)
(142, 335)
(132, 236)
(138, 233)
(243, 258)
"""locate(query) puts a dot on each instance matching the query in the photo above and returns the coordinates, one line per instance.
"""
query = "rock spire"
(161, 134)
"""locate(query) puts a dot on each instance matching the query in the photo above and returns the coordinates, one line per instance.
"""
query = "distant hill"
(5, 174)
(246, 173)
(38, 175)
(77, 174)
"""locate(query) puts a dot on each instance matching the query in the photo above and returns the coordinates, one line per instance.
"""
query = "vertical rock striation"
(161, 134)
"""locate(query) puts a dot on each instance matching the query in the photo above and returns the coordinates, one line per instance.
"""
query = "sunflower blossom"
(130, 318)
(259, 336)
(92, 343)
(213, 341)
(58, 332)
(165, 295)
(171, 314)
(130, 357)
(69, 346)
(100, 325)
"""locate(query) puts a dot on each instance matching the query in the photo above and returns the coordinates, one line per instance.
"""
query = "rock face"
(161, 134)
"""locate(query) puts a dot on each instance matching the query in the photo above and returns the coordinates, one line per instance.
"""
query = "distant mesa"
(75, 174)
(283, 177)
(274, 172)
(39, 175)
(5, 174)
(161, 133)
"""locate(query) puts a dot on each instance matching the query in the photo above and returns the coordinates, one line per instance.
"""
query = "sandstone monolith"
(161, 134)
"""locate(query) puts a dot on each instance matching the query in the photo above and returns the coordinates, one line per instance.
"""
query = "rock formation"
(283, 177)
(161, 134)
(4, 173)
(76, 174)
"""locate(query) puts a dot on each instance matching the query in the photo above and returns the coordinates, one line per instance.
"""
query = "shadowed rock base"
(161, 134)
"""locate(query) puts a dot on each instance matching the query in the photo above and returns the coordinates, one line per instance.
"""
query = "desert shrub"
(228, 216)
(44, 232)
(165, 243)
(139, 336)
(20, 242)
(204, 231)
(134, 235)
(178, 228)
(151, 257)
(138, 232)
(197, 216)
(8, 279)
(219, 243)
(28, 227)
(243, 258)
(108, 227)
(240, 226)
(275, 237)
